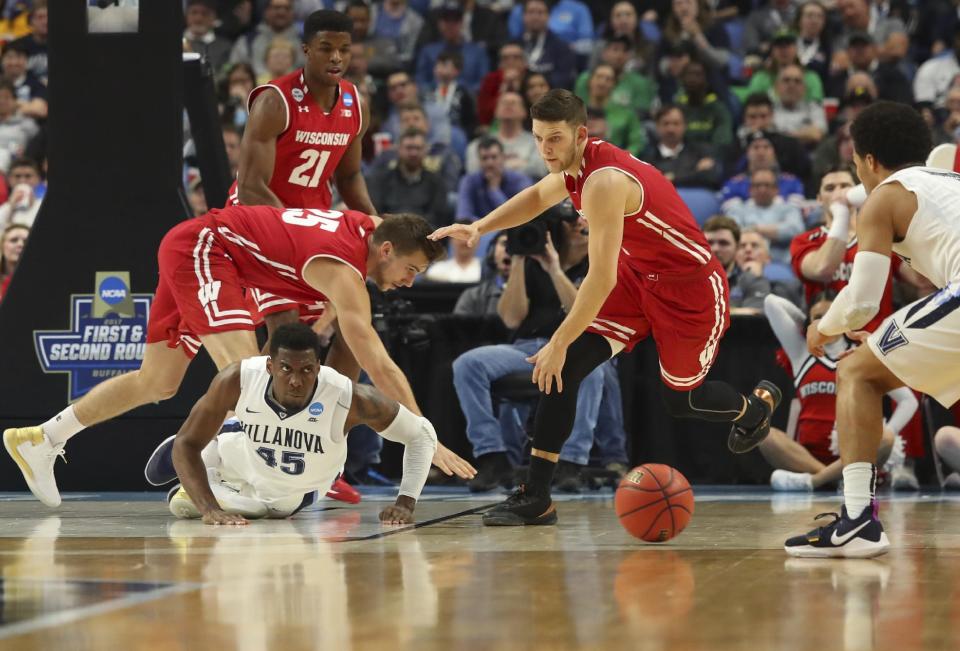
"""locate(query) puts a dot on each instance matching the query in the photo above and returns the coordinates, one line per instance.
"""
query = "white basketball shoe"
(35, 456)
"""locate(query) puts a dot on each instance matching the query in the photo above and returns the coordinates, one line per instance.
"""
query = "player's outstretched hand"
(396, 514)
(222, 517)
(466, 232)
(451, 463)
(547, 366)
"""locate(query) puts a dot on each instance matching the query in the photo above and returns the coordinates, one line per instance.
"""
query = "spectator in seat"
(35, 43)
(519, 147)
(482, 299)
(481, 25)
(200, 16)
(758, 116)
(195, 196)
(483, 191)
(408, 187)
(685, 164)
(463, 266)
(15, 130)
(278, 59)
(396, 21)
(760, 154)
(747, 290)
(935, 77)
(277, 23)
(632, 91)
(777, 221)
(402, 91)
(508, 77)
(546, 52)
(863, 56)
(570, 20)
(535, 85)
(793, 115)
(836, 150)
(753, 255)
(764, 23)
(625, 21)
(381, 54)
(692, 21)
(31, 92)
(439, 158)
(451, 95)
(708, 118)
(476, 64)
(673, 60)
(538, 292)
(862, 16)
(814, 49)
(624, 129)
(11, 248)
(783, 52)
(23, 204)
(236, 86)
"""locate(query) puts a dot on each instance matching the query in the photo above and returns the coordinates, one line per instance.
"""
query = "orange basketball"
(654, 502)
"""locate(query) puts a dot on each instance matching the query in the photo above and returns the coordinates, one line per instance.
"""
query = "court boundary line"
(416, 525)
(71, 615)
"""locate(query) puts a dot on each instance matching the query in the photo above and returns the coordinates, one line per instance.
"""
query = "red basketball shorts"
(687, 315)
(200, 291)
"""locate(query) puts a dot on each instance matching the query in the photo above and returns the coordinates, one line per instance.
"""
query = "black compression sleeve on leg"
(714, 401)
(556, 411)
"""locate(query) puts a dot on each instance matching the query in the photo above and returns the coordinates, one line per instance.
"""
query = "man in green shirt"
(633, 91)
(783, 52)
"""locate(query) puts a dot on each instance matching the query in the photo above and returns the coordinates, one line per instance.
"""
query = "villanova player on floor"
(294, 415)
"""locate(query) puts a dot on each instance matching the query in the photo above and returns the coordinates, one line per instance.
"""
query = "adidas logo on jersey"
(322, 138)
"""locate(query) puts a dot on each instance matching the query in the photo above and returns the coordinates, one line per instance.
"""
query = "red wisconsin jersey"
(661, 237)
(815, 382)
(271, 247)
(808, 242)
(312, 142)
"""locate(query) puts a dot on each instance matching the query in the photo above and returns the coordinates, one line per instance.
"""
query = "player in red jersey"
(810, 457)
(651, 273)
(205, 263)
(304, 132)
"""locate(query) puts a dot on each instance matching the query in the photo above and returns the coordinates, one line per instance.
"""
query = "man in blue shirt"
(476, 63)
(483, 191)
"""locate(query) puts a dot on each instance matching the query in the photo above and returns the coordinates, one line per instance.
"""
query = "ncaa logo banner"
(106, 337)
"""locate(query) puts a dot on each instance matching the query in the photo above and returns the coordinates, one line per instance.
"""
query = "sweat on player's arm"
(859, 301)
(258, 150)
(605, 195)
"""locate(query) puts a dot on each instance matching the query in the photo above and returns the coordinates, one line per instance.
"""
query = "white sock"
(62, 426)
(858, 487)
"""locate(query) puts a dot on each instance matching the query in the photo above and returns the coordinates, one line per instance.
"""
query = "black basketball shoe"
(522, 508)
(742, 439)
(842, 538)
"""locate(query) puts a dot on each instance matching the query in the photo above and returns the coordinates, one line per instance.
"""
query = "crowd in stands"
(23, 114)
(744, 105)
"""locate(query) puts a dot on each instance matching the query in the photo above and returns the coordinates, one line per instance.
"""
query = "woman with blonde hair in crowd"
(11, 248)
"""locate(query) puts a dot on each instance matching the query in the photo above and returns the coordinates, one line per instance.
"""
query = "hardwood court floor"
(117, 572)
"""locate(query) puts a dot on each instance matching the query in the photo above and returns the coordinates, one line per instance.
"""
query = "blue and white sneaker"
(159, 470)
(842, 538)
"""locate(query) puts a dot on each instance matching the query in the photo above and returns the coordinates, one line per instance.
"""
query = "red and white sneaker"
(341, 490)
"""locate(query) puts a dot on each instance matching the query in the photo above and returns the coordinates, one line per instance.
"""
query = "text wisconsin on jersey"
(323, 138)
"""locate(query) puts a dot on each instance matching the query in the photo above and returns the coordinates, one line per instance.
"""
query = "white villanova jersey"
(932, 242)
(284, 452)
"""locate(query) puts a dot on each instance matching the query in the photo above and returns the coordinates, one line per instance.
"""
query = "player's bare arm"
(519, 209)
(258, 149)
(885, 216)
(514, 304)
(822, 264)
(348, 176)
(607, 196)
(198, 430)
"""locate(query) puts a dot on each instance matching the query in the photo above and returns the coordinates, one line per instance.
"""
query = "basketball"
(654, 502)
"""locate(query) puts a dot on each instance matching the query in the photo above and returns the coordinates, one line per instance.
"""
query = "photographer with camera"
(539, 291)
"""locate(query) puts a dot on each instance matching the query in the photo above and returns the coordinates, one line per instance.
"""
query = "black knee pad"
(676, 402)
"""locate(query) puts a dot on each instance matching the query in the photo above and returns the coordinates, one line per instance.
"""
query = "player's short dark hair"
(560, 105)
(489, 142)
(758, 99)
(894, 134)
(326, 20)
(667, 108)
(723, 223)
(294, 336)
(408, 234)
(451, 56)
